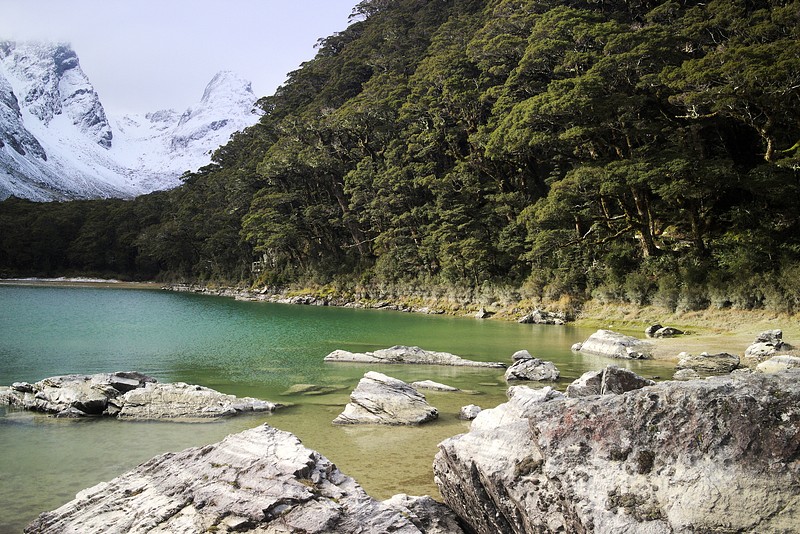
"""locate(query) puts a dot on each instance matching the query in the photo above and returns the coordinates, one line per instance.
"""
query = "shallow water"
(242, 348)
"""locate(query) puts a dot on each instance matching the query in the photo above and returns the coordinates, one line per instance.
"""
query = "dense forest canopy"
(635, 150)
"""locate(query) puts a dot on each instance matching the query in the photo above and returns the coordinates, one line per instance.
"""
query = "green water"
(246, 349)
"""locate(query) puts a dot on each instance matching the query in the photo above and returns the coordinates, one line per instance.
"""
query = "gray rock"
(261, 480)
(686, 374)
(667, 331)
(521, 355)
(483, 314)
(714, 455)
(410, 355)
(608, 381)
(615, 345)
(184, 401)
(576, 347)
(128, 395)
(778, 364)
(381, 399)
(428, 515)
(532, 369)
(766, 345)
(469, 412)
(435, 386)
(652, 329)
(713, 364)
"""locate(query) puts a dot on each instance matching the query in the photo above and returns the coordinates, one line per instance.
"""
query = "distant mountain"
(57, 142)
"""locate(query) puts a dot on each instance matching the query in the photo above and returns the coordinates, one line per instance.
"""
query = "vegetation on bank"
(548, 151)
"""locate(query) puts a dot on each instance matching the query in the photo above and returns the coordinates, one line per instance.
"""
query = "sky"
(147, 55)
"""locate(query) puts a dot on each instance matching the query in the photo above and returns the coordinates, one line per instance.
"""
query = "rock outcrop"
(609, 381)
(543, 317)
(381, 399)
(615, 345)
(261, 480)
(532, 369)
(403, 354)
(428, 515)
(709, 364)
(714, 455)
(126, 395)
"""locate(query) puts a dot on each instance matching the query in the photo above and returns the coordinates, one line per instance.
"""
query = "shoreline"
(709, 330)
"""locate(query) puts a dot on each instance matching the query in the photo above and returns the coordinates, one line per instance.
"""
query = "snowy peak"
(56, 141)
(48, 81)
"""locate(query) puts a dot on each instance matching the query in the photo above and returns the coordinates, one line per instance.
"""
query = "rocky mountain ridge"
(58, 142)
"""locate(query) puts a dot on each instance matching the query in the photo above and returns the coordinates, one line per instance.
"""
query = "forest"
(558, 150)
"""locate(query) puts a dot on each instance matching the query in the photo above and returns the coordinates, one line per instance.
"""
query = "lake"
(246, 349)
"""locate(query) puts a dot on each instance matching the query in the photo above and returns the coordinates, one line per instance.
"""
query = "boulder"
(403, 354)
(434, 386)
(714, 455)
(615, 345)
(780, 363)
(576, 347)
(709, 364)
(428, 515)
(611, 380)
(483, 314)
(381, 399)
(532, 369)
(260, 480)
(469, 412)
(521, 355)
(652, 329)
(766, 345)
(126, 395)
(543, 317)
(185, 401)
(667, 331)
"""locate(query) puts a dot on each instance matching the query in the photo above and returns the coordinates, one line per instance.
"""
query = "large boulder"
(714, 455)
(615, 345)
(532, 369)
(381, 399)
(126, 395)
(261, 480)
(403, 354)
(710, 364)
(611, 380)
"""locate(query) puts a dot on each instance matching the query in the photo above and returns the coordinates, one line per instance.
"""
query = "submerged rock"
(532, 369)
(381, 399)
(714, 364)
(608, 343)
(260, 480)
(403, 354)
(609, 381)
(714, 455)
(434, 386)
(126, 395)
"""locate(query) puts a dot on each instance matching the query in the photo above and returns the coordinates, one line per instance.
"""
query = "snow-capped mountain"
(56, 141)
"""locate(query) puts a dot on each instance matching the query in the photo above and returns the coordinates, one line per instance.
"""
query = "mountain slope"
(58, 143)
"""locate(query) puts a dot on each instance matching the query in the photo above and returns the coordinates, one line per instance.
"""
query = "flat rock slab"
(381, 399)
(433, 386)
(261, 480)
(410, 355)
(714, 364)
(126, 395)
(615, 345)
(713, 455)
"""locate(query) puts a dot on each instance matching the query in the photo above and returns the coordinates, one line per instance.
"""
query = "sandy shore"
(79, 282)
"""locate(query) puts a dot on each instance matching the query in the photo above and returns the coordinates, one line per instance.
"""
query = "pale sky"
(147, 55)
